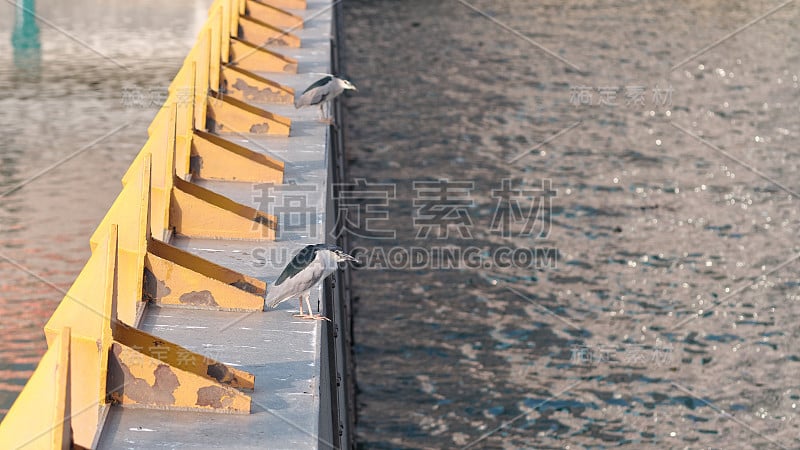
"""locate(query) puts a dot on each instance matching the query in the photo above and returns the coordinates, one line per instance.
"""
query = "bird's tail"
(274, 300)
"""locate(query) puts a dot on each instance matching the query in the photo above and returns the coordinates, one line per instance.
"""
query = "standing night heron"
(308, 268)
(322, 91)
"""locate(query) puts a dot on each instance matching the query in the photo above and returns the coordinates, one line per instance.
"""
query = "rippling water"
(671, 320)
(88, 68)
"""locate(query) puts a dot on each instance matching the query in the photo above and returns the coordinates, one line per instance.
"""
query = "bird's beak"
(355, 88)
(345, 258)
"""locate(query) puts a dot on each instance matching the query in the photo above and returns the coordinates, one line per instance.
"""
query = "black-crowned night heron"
(323, 91)
(308, 268)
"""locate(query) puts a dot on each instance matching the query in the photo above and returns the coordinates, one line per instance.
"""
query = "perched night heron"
(323, 91)
(307, 269)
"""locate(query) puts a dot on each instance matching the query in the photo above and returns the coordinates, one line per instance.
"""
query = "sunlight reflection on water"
(653, 226)
(63, 80)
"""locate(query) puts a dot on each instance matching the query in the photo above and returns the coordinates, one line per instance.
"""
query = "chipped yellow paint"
(229, 115)
(144, 381)
(181, 358)
(274, 16)
(234, 220)
(252, 58)
(176, 277)
(89, 335)
(216, 158)
(207, 268)
(260, 33)
(199, 212)
(249, 87)
(45, 394)
(286, 4)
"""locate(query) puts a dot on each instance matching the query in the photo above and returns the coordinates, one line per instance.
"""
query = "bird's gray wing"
(319, 83)
(296, 285)
(302, 259)
(313, 97)
(306, 279)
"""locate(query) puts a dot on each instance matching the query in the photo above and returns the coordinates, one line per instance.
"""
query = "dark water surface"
(671, 317)
(61, 90)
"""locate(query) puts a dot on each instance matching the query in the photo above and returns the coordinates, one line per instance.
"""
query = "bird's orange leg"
(300, 298)
(322, 118)
(310, 315)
